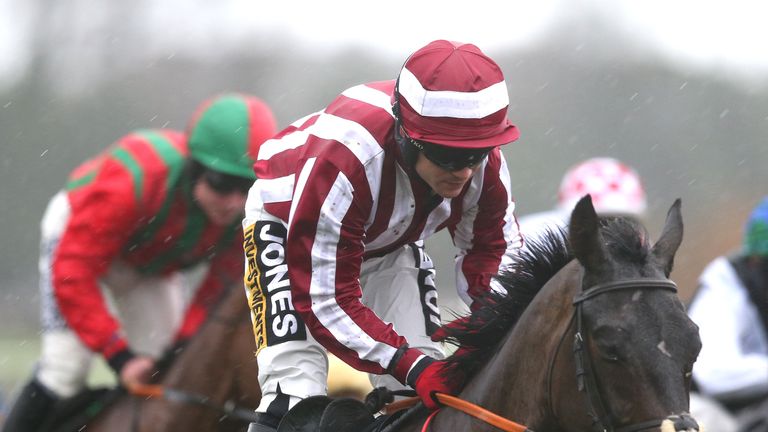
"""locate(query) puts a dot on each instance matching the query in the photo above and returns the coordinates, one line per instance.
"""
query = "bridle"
(585, 373)
(585, 376)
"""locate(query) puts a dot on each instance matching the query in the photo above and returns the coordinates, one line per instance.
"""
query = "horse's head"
(638, 343)
(601, 343)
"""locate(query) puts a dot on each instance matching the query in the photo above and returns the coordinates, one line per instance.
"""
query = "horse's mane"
(479, 334)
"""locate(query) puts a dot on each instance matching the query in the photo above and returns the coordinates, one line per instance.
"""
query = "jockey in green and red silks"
(135, 204)
(143, 238)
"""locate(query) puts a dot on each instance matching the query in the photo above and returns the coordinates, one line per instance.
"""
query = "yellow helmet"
(346, 381)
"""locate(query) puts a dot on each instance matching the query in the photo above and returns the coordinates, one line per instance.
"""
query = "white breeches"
(298, 364)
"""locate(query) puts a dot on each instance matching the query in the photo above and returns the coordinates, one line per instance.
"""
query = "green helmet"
(226, 132)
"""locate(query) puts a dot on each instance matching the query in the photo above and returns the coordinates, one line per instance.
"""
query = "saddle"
(323, 414)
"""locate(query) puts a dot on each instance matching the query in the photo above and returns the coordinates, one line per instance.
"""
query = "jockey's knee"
(64, 363)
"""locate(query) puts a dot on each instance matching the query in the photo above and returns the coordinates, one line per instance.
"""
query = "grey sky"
(716, 35)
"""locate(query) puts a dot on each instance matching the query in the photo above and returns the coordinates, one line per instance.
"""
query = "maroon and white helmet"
(451, 94)
(615, 187)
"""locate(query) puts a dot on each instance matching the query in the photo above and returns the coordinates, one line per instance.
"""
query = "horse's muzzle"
(680, 423)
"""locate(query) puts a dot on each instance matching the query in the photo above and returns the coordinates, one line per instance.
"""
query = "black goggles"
(226, 184)
(448, 158)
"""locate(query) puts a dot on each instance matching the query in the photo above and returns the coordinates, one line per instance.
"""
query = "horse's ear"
(670, 239)
(584, 236)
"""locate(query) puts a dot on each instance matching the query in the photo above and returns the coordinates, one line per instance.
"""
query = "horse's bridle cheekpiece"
(585, 376)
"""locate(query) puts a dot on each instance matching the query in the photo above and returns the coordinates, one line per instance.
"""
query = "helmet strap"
(194, 170)
(407, 149)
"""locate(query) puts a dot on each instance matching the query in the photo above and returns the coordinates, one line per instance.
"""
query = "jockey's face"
(447, 184)
(221, 206)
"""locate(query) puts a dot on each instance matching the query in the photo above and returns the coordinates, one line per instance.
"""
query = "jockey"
(335, 222)
(122, 242)
(731, 309)
(616, 190)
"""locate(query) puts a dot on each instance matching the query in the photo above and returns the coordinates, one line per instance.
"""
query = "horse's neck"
(204, 369)
(212, 346)
(233, 307)
(519, 369)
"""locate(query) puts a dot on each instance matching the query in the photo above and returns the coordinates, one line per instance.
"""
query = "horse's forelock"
(626, 239)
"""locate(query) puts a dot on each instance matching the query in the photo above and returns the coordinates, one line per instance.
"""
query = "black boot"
(30, 409)
(265, 423)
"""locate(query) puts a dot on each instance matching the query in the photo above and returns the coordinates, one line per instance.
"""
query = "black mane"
(480, 333)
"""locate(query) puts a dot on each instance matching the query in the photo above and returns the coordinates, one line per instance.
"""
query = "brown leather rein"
(464, 406)
(228, 408)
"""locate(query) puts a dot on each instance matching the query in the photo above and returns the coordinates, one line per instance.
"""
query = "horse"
(596, 343)
(208, 386)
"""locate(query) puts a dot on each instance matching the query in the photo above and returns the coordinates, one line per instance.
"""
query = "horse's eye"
(610, 354)
(610, 342)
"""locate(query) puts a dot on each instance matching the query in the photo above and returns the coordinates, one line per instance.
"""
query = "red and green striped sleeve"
(110, 197)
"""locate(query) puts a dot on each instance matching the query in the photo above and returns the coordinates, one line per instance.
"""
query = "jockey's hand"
(433, 379)
(138, 370)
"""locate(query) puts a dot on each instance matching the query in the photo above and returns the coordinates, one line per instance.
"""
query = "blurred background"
(678, 90)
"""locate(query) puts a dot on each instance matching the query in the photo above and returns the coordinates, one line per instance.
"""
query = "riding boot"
(30, 409)
(264, 423)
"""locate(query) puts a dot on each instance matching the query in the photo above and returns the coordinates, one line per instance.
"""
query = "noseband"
(585, 374)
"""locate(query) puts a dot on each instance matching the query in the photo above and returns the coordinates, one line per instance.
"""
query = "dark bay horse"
(600, 343)
(215, 368)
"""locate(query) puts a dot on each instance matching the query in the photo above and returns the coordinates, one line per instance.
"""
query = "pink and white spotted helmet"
(616, 188)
